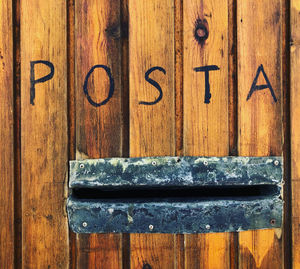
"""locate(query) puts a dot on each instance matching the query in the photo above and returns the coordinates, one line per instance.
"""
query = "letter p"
(34, 81)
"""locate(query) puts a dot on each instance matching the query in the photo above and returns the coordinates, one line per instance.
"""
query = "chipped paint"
(173, 216)
(181, 214)
(175, 172)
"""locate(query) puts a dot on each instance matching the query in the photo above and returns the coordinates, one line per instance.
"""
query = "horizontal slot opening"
(204, 192)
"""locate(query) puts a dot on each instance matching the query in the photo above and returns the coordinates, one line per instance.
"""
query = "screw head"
(110, 210)
(84, 224)
(207, 226)
(276, 162)
(81, 165)
(154, 163)
(272, 221)
(151, 227)
(205, 162)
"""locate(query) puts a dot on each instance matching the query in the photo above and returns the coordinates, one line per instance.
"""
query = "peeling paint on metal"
(176, 172)
(189, 216)
(175, 215)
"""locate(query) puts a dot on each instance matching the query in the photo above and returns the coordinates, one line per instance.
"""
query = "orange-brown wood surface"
(44, 141)
(98, 129)
(152, 127)
(206, 131)
(40, 134)
(6, 137)
(295, 129)
(260, 118)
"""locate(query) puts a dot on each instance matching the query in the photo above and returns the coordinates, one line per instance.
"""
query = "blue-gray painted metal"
(186, 216)
(174, 172)
(175, 215)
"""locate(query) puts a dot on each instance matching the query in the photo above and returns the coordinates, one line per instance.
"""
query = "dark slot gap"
(202, 192)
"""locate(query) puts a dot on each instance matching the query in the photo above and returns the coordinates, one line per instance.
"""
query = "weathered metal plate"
(174, 172)
(163, 214)
(186, 216)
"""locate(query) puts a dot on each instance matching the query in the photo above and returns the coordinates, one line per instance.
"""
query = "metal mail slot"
(175, 194)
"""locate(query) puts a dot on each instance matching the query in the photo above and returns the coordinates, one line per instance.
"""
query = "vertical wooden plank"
(295, 130)
(44, 140)
(6, 137)
(260, 130)
(98, 128)
(151, 41)
(206, 131)
(152, 127)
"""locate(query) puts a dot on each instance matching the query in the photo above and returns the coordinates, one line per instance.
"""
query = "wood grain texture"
(295, 129)
(98, 129)
(99, 251)
(151, 44)
(6, 137)
(206, 131)
(44, 136)
(161, 34)
(152, 127)
(259, 123)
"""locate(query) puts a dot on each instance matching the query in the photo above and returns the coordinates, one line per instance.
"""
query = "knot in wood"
(201, 31)
(147, 266)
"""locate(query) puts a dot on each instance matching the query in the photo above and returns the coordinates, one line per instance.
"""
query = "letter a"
(255, 87)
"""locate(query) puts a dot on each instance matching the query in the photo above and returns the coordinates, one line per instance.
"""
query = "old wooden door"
(106, 78)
